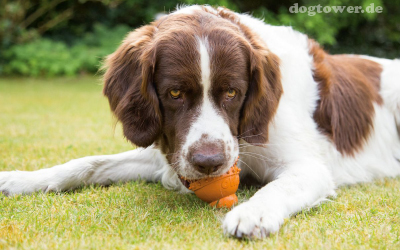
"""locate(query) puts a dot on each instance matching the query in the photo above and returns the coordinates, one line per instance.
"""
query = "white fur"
(304, 166)
(301, 165)
(209, 122)
(183, 9)
(148, 164)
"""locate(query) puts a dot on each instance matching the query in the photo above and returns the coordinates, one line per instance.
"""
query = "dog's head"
(194, 84)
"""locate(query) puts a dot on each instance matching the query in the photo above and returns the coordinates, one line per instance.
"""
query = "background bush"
(46, 57)
(69, 37)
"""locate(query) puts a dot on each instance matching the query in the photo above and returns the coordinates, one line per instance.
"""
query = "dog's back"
(358, 104)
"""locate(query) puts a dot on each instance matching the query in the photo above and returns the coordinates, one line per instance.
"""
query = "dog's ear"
(263, 94)
(129, 87)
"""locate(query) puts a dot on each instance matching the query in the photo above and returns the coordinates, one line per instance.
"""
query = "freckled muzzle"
(207, 157)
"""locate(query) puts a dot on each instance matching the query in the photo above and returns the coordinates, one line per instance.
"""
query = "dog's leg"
(299, 185)
(148, 164)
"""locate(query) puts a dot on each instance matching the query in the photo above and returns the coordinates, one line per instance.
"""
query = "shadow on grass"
(154, 193)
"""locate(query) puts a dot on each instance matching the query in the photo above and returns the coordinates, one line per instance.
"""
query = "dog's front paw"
(22, 182)
(252, 219)
(4, 176)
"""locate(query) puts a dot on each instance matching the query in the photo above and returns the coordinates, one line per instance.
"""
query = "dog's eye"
(175, 93)
(230, 94)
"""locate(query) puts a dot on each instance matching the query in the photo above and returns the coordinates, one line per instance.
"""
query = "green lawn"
(48, 122)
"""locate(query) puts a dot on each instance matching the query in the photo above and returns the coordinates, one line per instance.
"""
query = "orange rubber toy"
(218, 191)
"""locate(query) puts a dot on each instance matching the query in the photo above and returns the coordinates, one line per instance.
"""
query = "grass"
(48, 122)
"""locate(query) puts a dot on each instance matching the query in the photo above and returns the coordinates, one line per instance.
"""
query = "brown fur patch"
(129, 87)
(265, 88)
(348, 87)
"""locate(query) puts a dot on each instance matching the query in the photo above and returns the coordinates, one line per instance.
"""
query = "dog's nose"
(208, 164)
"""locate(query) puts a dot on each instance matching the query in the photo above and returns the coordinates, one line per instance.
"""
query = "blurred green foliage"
(46, 57)
(376, 34)
(68, 37)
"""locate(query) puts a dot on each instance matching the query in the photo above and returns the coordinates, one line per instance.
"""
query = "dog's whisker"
(259, 178)
(242, 137)
(175, 163)
(253, 153)
(239, 136)
(246, 146)
(259, 144)
(253, 144)
(260, 157)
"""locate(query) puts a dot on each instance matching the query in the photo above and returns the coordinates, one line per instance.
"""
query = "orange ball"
(218, 191)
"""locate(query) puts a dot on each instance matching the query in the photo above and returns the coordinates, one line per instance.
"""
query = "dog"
(201, 86)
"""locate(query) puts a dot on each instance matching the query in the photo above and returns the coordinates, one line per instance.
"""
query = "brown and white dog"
(201, 86)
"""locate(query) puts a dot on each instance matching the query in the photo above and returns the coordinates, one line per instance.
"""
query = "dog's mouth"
(186, 182)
